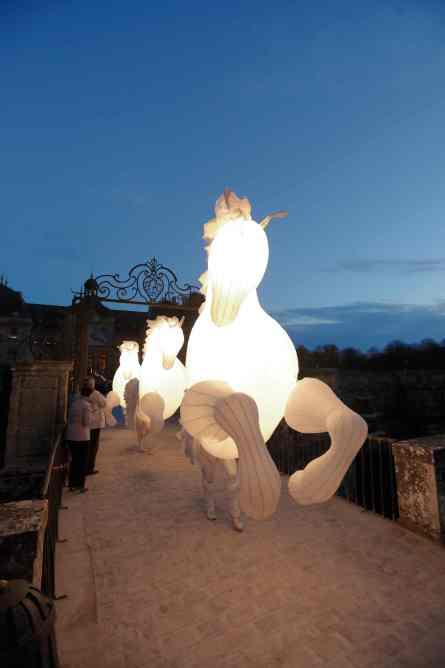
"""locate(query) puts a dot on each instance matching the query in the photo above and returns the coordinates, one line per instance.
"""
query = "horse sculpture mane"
(129, 347)
(229, 207)
(155, 327)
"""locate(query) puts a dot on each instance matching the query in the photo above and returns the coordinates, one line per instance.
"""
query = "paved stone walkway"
(153, 584)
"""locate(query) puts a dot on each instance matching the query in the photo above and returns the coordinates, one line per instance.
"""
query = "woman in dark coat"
(78, 439)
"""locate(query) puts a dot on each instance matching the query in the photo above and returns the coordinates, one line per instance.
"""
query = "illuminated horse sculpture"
(242, 372)
(127, 374)
(162, 380)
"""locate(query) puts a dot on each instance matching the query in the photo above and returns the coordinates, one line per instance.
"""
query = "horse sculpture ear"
(278, 214)
(181, 322)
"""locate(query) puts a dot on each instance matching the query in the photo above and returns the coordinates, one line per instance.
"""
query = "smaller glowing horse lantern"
(242, 371)
(128, 370)
(162, 380)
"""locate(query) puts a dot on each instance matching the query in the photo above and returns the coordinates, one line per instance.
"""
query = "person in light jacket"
(78, 439)
(97, 402)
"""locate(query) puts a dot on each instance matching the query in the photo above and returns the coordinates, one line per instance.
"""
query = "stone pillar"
(420, 475)
(37, 408)
(67, 344)
(83, 312)
(22, 533)
(83, 340)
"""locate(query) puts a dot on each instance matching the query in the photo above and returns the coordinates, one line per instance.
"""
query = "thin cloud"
(384, 307)
(296, 320)
(439, 307)
(408, 266)
(364, 324)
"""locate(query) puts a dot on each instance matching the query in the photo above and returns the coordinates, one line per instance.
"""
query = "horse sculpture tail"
(131, 398)
(211, 412)
(111, 401)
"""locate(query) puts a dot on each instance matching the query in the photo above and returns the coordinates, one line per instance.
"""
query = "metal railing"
(5, 393)
(52, 490)
(370, 481)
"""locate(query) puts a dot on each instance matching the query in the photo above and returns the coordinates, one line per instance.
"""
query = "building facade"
(48, 331)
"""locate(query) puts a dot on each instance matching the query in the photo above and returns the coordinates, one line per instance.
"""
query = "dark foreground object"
(27, 618)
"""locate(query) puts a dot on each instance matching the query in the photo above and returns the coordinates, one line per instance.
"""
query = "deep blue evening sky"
(121, 122)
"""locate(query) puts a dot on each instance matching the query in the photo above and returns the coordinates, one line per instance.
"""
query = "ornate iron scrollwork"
(146, 283)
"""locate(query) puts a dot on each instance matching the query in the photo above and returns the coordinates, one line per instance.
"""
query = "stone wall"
(393, 402)
(18, 484)
(5, 392)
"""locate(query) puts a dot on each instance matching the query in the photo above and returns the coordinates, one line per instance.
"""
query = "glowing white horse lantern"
(242, 371)
(128, 369)
(163, 378)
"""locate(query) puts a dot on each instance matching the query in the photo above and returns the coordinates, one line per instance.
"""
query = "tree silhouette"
(397, 355)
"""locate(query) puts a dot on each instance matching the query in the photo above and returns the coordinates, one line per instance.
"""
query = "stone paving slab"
(152, 583)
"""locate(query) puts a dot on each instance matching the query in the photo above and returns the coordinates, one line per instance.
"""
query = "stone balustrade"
(22, 532)
(420, 474)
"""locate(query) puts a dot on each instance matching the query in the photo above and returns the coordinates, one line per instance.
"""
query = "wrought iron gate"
(149, 284)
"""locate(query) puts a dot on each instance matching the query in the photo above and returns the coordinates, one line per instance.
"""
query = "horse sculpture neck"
(253, 354)
(250, 307)
(153, 350)
(129, 362)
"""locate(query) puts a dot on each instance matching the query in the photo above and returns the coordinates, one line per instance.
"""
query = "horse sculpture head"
(128, 368)
(165, 335)
(128, 349)
(238, 255)
(129, 359)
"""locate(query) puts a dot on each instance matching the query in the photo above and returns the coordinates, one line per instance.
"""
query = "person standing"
(78, 439)
(97, 402)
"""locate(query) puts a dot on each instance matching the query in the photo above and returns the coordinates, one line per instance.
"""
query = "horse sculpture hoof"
(237, 524)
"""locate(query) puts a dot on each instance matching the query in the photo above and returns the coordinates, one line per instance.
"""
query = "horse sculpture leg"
(207, 488)
(207, 464)
(212, 410)
(233, 491)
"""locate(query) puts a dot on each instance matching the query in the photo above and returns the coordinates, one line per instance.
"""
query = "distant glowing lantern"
(242, 372)
(128, 369)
